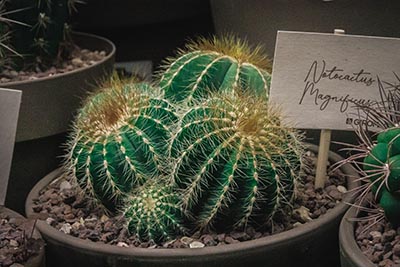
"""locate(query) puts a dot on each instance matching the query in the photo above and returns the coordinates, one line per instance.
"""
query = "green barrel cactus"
(153, 213)
(215, 64)
(119, 141)
(382, 166)
(235, 162)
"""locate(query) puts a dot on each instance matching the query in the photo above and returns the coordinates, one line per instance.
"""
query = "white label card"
(318, 79)
(10, 101)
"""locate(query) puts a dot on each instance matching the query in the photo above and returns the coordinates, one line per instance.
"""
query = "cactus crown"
(235, 161)
(232, 46)
(119, 141)
(216, 64)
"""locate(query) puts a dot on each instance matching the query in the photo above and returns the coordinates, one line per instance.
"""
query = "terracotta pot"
(313, 244)
(48, 106)
(34, 261)
(350, 254)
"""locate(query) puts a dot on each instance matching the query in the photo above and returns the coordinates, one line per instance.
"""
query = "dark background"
(143, 29)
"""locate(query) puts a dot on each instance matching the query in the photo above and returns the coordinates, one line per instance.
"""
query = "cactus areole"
(382, 164)
(216, 65)
(119, 142)
(235, 162)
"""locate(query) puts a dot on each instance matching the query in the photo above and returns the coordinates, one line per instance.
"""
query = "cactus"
(378, 160)
(153, 213)
(7, 52)
(235, 161)
(215, 65)
(382, 166)
(119, 141)
(41, 42)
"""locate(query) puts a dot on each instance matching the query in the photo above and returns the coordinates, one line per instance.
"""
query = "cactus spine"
(215, 65)
(153, 213)
(119, 141)
(235, 161)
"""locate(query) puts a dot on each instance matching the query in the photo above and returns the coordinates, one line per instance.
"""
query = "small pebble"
(66, 228)
(65, 185)
(196, 244)
(122, 245)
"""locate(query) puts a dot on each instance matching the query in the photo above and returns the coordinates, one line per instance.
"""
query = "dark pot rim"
(35, 260)
(109, 45)
(349, 249)
(219, 251)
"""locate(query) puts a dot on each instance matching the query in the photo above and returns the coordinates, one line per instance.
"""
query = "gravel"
(68, 211)
(378, 240)
(16, 243)
(80, 58)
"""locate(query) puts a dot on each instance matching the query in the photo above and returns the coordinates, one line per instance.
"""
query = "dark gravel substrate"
(80, 58)
(16, 242)
(379, 241)
(67, 211)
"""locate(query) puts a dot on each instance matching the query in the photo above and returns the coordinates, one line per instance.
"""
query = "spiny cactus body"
(382, 165)
(120, 139)
(153, 213)
(47, 29)
(215, 65)
(235, 161)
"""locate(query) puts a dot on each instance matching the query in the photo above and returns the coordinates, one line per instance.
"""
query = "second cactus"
(382, 166)
(236, 163)
(119, 142)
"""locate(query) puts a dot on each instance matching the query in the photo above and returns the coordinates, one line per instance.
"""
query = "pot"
(48, 106)
(350, 254)
(312, 244)
(34, 261)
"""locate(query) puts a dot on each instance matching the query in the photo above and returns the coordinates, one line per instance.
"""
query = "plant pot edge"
(257, 244)
(350, 254)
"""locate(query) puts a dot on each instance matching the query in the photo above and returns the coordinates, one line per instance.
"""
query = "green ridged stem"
(214, 65)
(235, 162)
(382, 165)
(41, 41)
(153, 213)
(120, 140)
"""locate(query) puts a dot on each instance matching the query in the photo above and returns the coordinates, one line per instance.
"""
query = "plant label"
(10, 101)
(319, 79)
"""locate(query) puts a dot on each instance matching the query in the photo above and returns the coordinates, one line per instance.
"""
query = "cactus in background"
(153, 213)
(7, 52)
(119, 141)
(235, 161)
(215, 65)
(378, 161)
(382, 166)
(41, 43)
